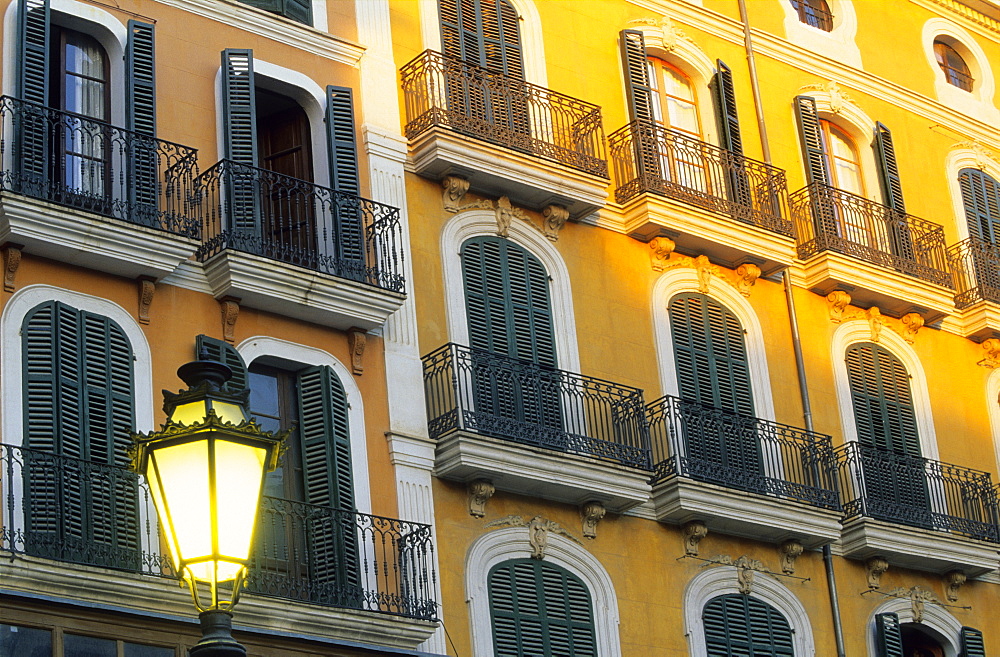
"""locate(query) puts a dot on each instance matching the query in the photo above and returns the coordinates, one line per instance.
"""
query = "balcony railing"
(649, 157)
(343, 559)
(917, 492)
(741, 452)
(975, 266)
(77, 511)
(253, 210)
(82, 163)
(449, 93)
(512, 399)
(829, 219)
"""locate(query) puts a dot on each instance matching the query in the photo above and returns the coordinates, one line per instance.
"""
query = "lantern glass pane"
(183, 479)
(188, 414)
(206, 570)
(161, 512)
(229, 412)
(238, 473)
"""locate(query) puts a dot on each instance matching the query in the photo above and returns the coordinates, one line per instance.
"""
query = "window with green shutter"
(484, 33)
(981, 199)
(742, 626)
(78, 408)
(540, 610)
(297, 10)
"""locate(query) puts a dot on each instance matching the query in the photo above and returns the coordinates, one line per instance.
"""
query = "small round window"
(956, 71)
(815, 13)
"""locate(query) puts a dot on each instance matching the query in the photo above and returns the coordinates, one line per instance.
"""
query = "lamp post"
(205, 468)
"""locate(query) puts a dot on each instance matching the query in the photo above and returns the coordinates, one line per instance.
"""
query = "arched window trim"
(935, 617)
(512, 543)
(979, 102)
(680, 280)
(532, 46)
(854, 331)
(476, 223)
(294, 355)
(722, 580)
(838, 44)
(964, 157)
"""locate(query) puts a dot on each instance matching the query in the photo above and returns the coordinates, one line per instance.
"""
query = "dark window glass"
(815, 13)
(75, 645)
(24, 642)
(956, 71)
(138, 650)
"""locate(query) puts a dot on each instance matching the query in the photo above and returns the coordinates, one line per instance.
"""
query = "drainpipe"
(751, 62)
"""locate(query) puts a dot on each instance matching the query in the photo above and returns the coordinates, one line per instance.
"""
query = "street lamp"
(205, 468)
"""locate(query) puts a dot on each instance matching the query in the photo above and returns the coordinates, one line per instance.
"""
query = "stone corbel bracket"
(11, 261)
(954, 580)
(230, 307)
(553, 219)
(357, 339)
(660, 250)
(838, 301)
(455, 188)
(591, 513)
(746, 275)
(480, 492)
(875, 568)
(147, 288)
(693, 531)
(991, 353)
(790, 550)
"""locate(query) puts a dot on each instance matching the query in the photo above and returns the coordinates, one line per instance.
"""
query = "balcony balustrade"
(651, 158)
(975, 265)
(252, 210)
(444, 92)
(76, 511)
(829, 219)
(94, 167)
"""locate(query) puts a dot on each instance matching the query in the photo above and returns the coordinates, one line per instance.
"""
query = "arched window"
(956, 71)
(540, 610)
(842, 159)
(815, 13)
(673, 98)
(483, 33)
(738, 625)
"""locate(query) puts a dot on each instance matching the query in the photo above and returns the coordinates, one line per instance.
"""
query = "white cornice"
(272, 26)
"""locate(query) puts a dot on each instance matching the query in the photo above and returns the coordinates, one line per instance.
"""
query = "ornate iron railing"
(344, 559)
(741, 452)
(89, 165)
(975, 267)
(520, 401)
(649, 157)
(253, 210)
(917, 492)
(77, 511)
(443, 92)
(829, 219)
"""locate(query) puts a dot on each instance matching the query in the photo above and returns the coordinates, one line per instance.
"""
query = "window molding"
(512, 543)
(966, 156)
(854, 331)
(477, 223)
(977, 103)
(290, 355)
(838, 44)
(722, 580)
(993, 411)
(679, 280)
(944, 626)
(532, 45)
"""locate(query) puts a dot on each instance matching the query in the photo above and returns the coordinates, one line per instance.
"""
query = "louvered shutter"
(900, 240)
(239, 110)
(725, 102)
(737, 626)
(972, 643)
(224, 353)
(140, 104)
(348, 229)
(817, 171)
(638, 90)
(460, 30)
(539, 609)
(325, 445)
(500, 38)
(981, 198)
(888, 636)
(31, 128)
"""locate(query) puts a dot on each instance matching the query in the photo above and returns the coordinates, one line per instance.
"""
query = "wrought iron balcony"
(256, 211)
(829, 219)
(650, 158)
(443, 92)
(917, 492)
(345, 559)
(741, 452)
(523, 402)
(89, 165)
(975, 266)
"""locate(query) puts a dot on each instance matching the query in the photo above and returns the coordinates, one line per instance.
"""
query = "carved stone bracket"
(705, 270)
(553, 219)
(146, 290)
(875, 568)
(954, 580)
(991, 353)
(11, 261)
(746, 275)
(538, 532)
(912, 322)
(230, 307)
(480, 492)
(455, 188)
(837, 96)
(746, 568)
(357, 339)
(591, 513)
(789, 551)
(693, 531)
(918, 598)
(661, 248)
(505, 213)
(838, 300)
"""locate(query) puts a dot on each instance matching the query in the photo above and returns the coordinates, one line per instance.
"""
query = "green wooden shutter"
(501, 38)
(981, 198)
(224, 353)
(742, 626)
(540, 610)
(812, 141)
(140, 103)
(239, 111)
(883, 404)
(31, 129)
(725, 103)
(325, 445)
(460, 30)
(900, 240)
(638, 90)
(972, 643)
(888, 636)
(297, 10)
(348, 229)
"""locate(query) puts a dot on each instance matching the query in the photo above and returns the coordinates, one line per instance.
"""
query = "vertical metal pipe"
(752, 64)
